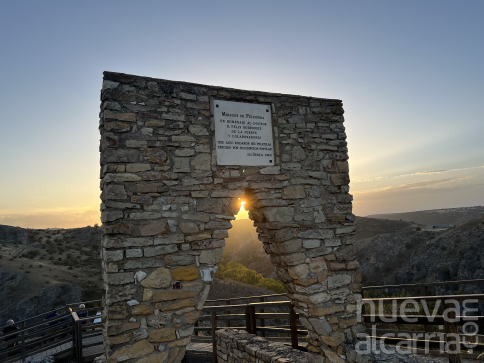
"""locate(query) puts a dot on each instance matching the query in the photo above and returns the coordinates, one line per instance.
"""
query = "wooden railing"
(39, 333)
(250, 314)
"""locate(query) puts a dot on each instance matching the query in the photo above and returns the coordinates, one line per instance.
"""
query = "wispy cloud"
(414, 174)
(439, 171)
(418, 185)
(368, 179)
(431, 172)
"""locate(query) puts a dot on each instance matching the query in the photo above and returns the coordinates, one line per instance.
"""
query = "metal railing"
(58, 327)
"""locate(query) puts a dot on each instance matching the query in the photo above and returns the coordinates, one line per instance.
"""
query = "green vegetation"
(235, 271)
(32, 254)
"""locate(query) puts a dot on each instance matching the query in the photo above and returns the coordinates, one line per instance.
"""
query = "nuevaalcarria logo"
(406, 313)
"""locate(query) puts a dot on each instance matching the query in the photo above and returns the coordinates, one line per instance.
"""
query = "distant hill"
(455, 216)
(369, 227)
(405, 257)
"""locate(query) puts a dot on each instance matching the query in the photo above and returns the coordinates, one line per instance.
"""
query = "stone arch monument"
(175, 159)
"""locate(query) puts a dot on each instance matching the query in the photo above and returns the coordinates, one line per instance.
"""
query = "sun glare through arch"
(243, 213)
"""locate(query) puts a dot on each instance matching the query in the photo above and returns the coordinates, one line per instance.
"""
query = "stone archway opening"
(170, 189)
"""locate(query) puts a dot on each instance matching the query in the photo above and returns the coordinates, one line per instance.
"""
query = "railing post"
(214, 338)
(451, 328)
(426, 292)
(227, 322)
(79, 341)
(248, 325)
(293, 325)
(77, 337)
(262, 321)
(23, 346)
(253, 323)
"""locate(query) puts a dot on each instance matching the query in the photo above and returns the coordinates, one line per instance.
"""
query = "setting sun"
(243, 214)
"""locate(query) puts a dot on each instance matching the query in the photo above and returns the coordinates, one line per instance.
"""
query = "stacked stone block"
(167, 207)
(238, 346)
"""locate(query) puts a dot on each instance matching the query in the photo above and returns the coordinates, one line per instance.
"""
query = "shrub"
(33, 253)
(12, 287)
(408, 245)
(236, 271)
(71, 268)
(418, 229)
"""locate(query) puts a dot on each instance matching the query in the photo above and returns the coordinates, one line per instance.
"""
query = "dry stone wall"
(238, 346)
(167, 206)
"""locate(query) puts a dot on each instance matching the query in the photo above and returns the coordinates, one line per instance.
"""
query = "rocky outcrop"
(13, 235)
(49, 299)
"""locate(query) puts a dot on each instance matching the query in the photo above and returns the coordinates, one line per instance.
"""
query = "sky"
(410, 74)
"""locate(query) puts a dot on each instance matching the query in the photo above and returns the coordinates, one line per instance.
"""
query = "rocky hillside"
(244, 246)
(369, 227)
(455, 216)
(13, 235)
(41, 269)
(404, 257)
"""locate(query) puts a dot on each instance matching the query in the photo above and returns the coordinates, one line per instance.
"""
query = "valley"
(41, 269)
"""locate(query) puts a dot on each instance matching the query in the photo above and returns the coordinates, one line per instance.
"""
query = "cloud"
(430, 172)
(368, 179)
(433, 184)
(413, 174)
(438, 171)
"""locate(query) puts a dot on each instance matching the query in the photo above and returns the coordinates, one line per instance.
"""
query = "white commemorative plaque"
(243, 133)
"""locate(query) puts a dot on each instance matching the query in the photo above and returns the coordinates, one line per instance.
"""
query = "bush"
(236, 271)
(12, 287)
(408, 245)
(418, 229)
(71, 268)
(33, 253)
